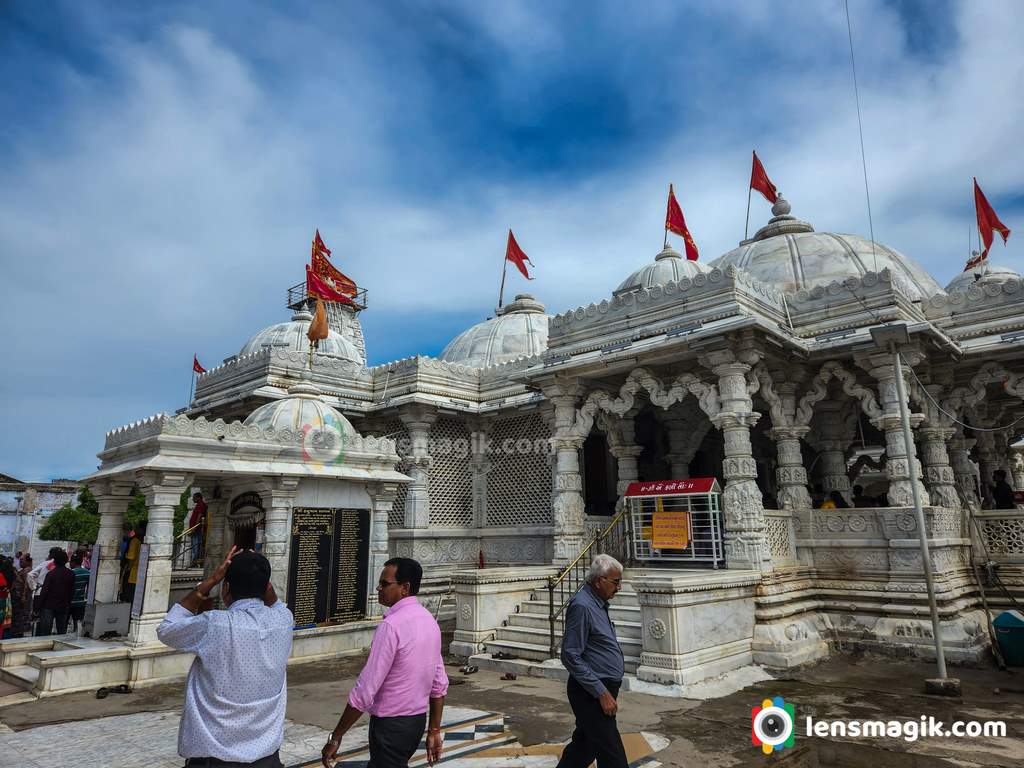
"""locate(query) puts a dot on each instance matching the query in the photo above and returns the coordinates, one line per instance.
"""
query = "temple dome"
(983, 274)
(669, 265)
(302, 411)
(292, 336)
(519, 329)
(788, 254)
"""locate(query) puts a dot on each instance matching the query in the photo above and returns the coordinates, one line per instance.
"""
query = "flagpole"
(664, 245)
(504, 268)
(746, 228)
(191, 388)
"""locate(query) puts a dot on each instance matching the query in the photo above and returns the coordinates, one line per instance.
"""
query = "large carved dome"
(292, 336)
(519, 329)
(302, 411)
(788, 254)
(669, 265)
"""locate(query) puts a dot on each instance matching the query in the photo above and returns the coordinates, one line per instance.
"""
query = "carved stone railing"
(780, 537)
(1002, 533)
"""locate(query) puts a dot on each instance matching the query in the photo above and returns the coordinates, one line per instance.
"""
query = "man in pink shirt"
(404, 676)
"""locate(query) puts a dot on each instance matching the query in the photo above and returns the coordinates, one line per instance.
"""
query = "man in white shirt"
(236, 692)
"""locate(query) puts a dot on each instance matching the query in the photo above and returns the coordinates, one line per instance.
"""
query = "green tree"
(137, 511)
(74, 523)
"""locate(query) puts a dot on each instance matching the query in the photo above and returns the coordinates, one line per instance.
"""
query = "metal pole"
(746, 228)
(908, 447)
(501, 291)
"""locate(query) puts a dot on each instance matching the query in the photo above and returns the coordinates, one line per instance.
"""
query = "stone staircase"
(525, 635)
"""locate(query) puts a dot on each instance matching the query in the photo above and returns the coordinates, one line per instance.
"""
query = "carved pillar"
(217, 510)
(685, 434)
(899, 465)
(988, 463)
(382, 497)
(568, 484)
(278, 496)
(963, 469)
(938, 472)
(162, 491)
(113, 498)
(744, 509)
(791, 475)
(479, 466)
(418, 421)
(833, 439)
(1017, 469)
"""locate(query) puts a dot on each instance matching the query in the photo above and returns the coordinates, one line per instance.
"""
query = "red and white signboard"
(674, 487)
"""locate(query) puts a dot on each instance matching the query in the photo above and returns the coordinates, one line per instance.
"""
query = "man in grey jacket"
(591, 653)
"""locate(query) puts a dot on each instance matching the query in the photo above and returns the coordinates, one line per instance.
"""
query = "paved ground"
(711, 734)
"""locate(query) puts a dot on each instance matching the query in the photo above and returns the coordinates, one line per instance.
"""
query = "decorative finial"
(781, 207)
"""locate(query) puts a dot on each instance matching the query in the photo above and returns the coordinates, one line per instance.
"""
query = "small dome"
(303, 410)
(519, 329)
(669, 265)
(292, 336)
(982, 274)
(788, 254)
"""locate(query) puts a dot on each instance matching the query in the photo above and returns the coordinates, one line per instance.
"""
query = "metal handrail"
(575, 569)
(179, 546)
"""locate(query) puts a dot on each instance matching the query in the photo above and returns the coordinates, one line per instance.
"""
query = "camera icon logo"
(772, 725)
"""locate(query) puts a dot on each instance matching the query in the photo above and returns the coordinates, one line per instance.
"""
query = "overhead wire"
(860, 126)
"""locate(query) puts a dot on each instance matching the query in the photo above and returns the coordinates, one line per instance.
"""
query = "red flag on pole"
(987, 220)
(516, 255)
(319, 247)
(196, 367)
(331, 276)
(760, 182)
(319, 288)
(674, 222)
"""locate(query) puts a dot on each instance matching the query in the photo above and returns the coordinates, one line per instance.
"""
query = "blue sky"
(165, 165)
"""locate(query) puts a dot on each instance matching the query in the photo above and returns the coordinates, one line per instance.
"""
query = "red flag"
(196, 366)
(674, 222)
(318, 245)
(987, 220)
(760, 182)
(516, 255)
(318, 328)
(319, 288)
(331, 276)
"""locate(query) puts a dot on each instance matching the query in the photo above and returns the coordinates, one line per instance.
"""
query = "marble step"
(619, 613)
(541, 638)
(629, 630)
(23, 676)
(531, 658)
(626, 598)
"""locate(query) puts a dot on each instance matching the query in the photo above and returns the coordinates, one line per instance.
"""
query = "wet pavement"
(710, 733)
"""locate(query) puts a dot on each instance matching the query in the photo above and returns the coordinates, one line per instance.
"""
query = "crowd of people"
(37, 598)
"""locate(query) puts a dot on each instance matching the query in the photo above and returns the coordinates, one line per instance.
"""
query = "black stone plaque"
(328, 563)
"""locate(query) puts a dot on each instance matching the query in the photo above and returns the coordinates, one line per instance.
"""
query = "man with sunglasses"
(404, 676)
(591, 653)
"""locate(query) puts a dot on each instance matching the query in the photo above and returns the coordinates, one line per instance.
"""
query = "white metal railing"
(705, 539)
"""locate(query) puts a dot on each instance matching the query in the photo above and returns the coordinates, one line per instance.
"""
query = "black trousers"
(270, 761)
(596, 736)
(393, 740)
(47, 617)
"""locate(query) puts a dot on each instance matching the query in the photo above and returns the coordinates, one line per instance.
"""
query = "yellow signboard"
(671, 530)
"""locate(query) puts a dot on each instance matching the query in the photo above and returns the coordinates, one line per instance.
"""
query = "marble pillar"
(938, 472)
(113, 498)
(988, 463)
(278, 496)
(833, 438)
(964, 474)
(745, 545)
(1017, 469)
(382, 498)
(568, 510)
(217, 511)
(479, 466)
(418, 421)
(163, 491)
(899, 465)
(791, 475)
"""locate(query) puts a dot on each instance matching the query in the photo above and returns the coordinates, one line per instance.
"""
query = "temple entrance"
(600, 476)
(246, 517)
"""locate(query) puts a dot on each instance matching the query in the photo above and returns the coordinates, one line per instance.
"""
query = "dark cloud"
(166, 164)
